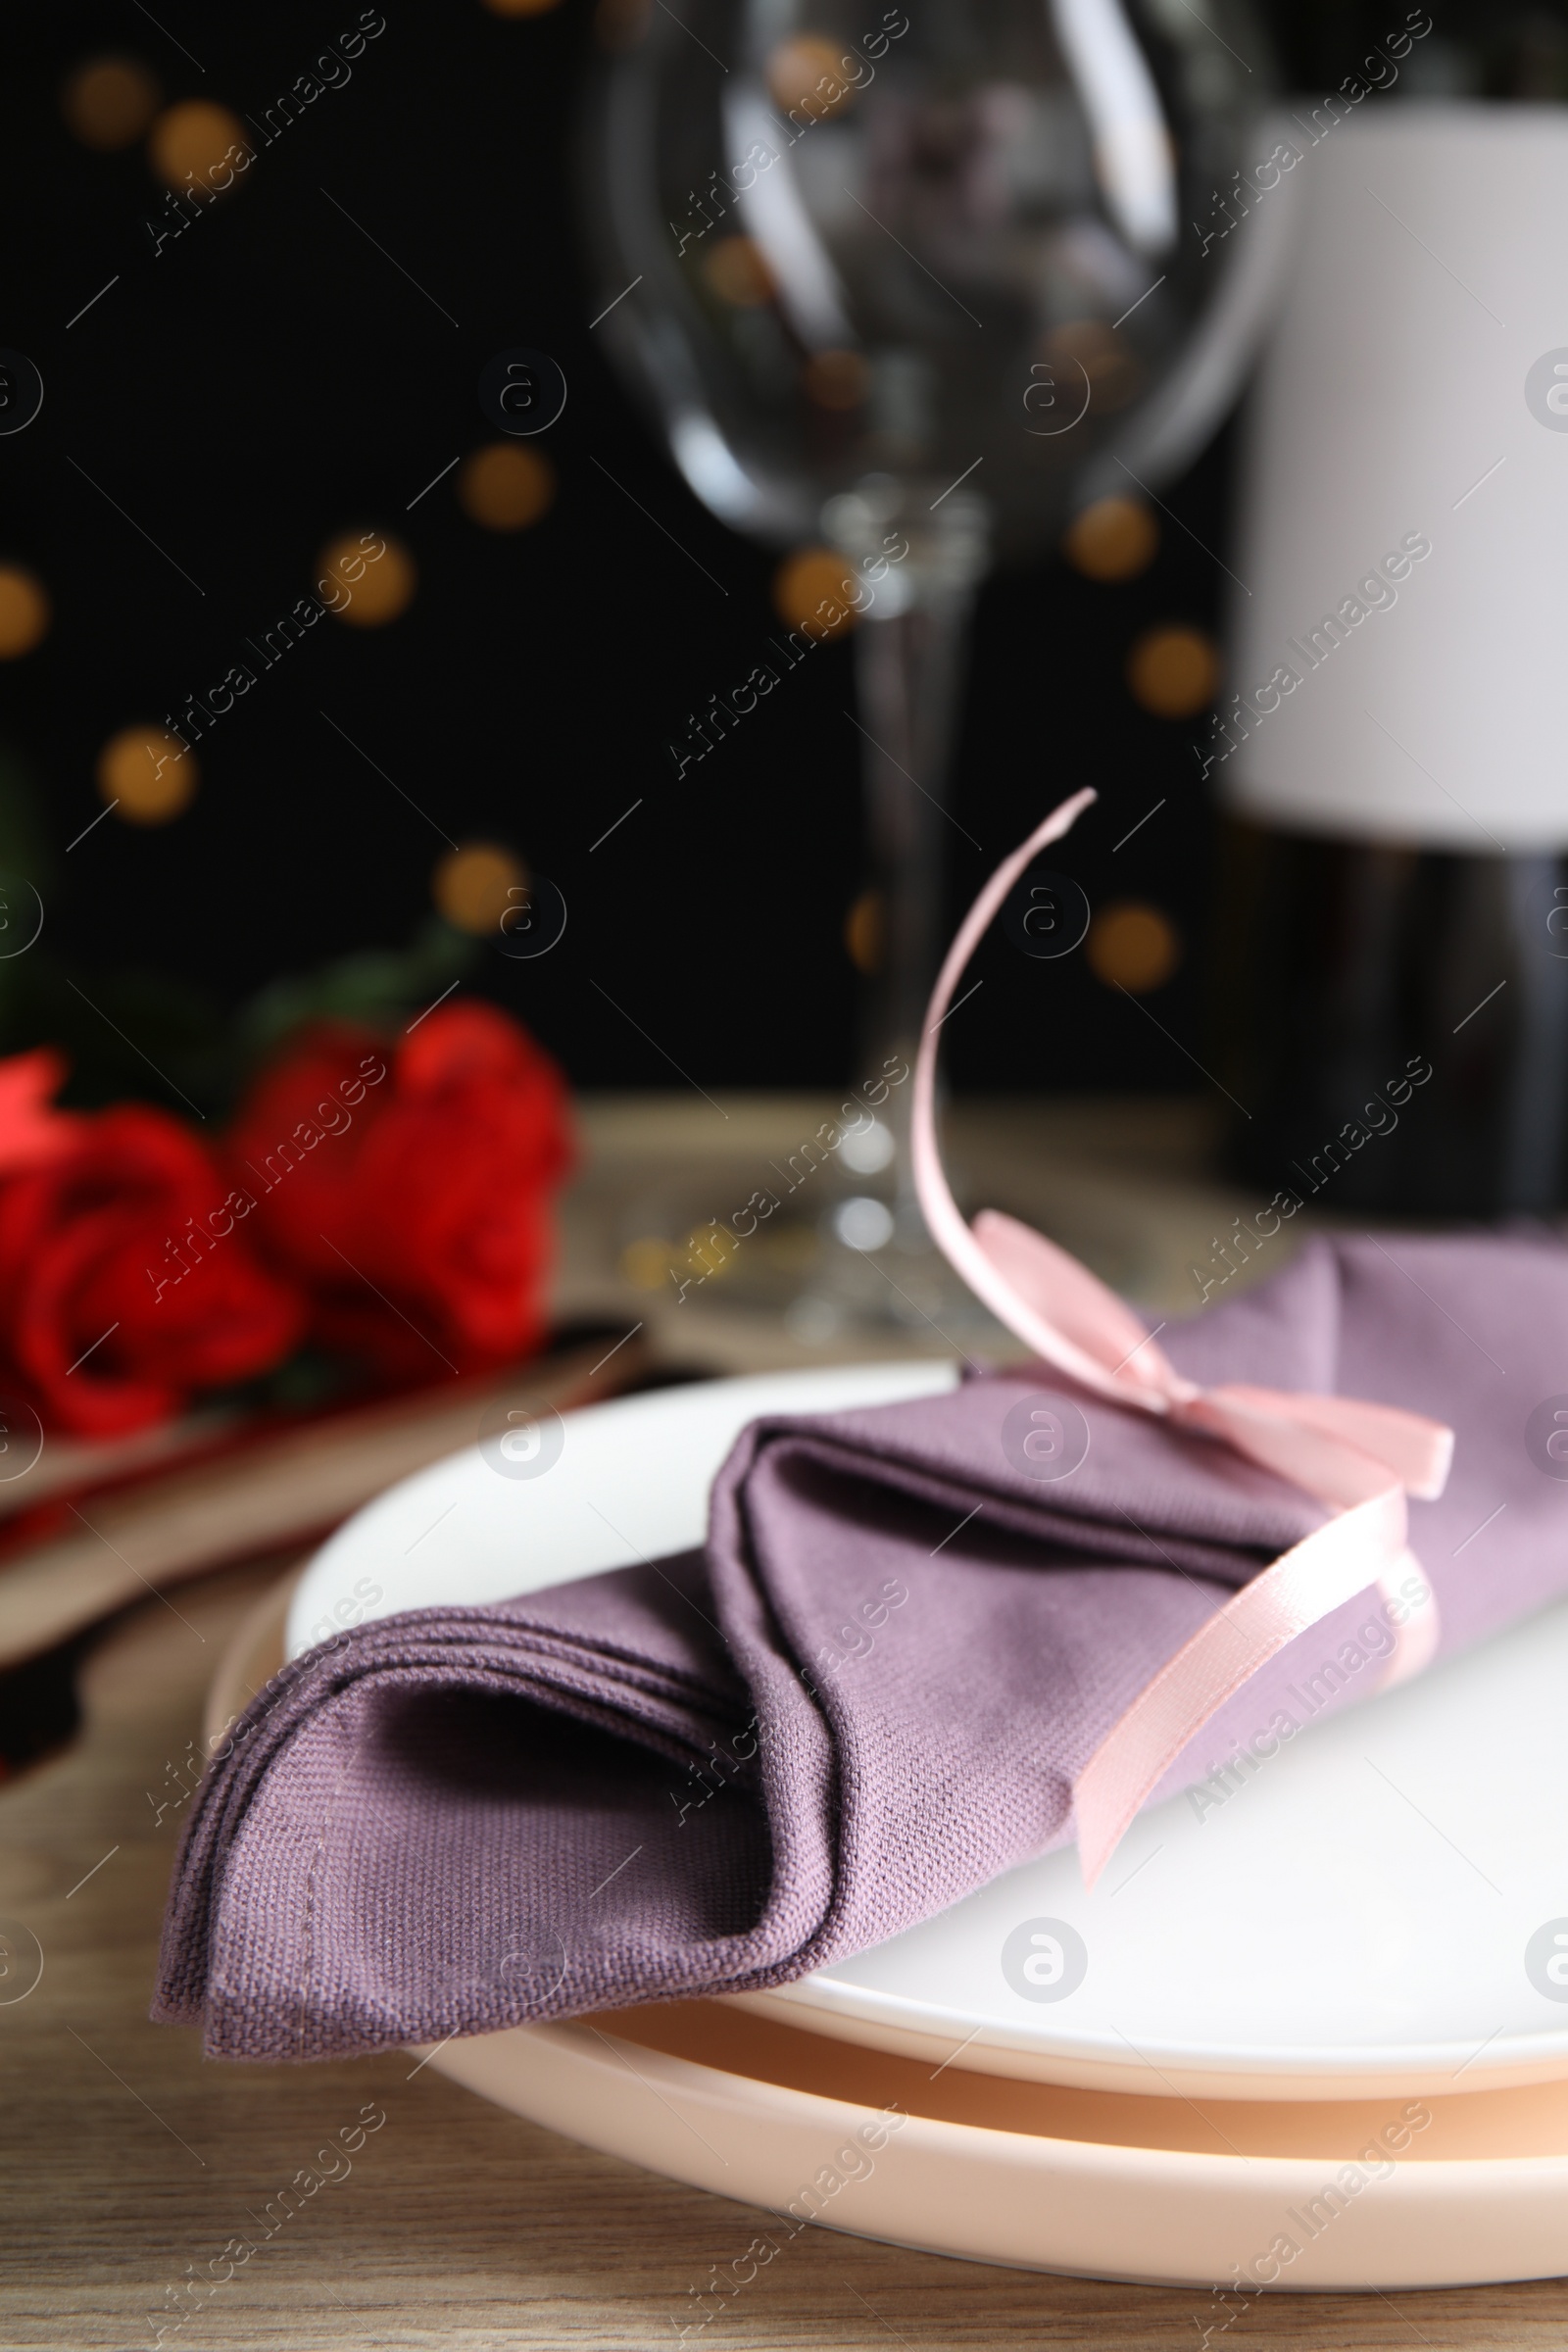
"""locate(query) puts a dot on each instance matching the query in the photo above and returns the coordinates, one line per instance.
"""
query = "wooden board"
(130, 2162)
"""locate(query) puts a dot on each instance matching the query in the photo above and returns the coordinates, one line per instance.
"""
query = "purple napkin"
(870, 1694)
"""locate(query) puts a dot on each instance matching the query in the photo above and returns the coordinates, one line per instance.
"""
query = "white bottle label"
(1400, 638)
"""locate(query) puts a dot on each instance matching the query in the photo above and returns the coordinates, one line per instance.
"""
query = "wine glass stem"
(909, 677)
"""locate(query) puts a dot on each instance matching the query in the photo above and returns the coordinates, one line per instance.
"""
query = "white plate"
(1352, 1922)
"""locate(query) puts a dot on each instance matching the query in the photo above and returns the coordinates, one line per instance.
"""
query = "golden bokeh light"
(109, 101)
(146, 775)
(805, 74)
(1111, 366)
(704, 1256)
(191, 140)
(737, 273)
(25, 611)
(866, 932)
(472, 886)
(379, 586)
(1088, 341)
(1133, 946)
(645, 1263)
(1173, 671)
(710, 1251)
(836, 380)
(505, 486)
(812, 593)
(1114, 539)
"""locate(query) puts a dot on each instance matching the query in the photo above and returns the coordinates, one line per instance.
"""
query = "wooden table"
(131, 2161)
(1127, 1183)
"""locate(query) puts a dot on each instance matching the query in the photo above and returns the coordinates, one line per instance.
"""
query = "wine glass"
(914, 280)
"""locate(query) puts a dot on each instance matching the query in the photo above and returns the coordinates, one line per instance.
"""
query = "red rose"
(125, 1283)
(30, 1128)
(409, 1189)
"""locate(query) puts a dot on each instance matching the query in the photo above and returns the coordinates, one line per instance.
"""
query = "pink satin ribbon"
(1361, 1460)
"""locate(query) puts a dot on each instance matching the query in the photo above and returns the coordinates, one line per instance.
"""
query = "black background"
(270, 379)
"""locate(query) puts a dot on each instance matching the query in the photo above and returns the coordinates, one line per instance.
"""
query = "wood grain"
(129, 2161)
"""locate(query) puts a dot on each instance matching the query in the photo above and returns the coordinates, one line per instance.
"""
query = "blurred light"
(1114, 539)
(798, 68)
(1133, 157)
(710, 466)
(470, 886)
(190, 140)
(774, 210)
(505, 487)
(384, 586)
(1133, 947)
(836, 380)
(519, 8)
(1173, 671)
(868, 1150)
(1112, 368)
(25, 611)
(646, 1263)
(147, 775)
(737, 272)
(866, 932)
(814, 1322)
(109, 101)
(863, 1224)
(709, 1251)
(812, 577)
(620, 24)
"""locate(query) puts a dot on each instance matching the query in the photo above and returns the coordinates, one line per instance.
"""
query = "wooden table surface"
(1128, 1184)
(129, 2161)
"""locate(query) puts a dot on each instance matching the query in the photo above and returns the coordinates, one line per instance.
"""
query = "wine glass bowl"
(925, 245)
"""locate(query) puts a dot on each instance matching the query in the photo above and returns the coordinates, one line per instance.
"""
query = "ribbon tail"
(1361, 1546)
(943, 1220)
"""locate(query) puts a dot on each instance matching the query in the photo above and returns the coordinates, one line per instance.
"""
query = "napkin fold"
(871, 1693)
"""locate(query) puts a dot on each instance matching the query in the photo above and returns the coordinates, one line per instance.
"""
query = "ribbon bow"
(1361, 1460)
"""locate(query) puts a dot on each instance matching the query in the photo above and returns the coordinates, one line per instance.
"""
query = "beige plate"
(1096, 2182)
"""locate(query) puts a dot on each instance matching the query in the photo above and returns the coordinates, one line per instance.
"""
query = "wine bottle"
(1390, 948)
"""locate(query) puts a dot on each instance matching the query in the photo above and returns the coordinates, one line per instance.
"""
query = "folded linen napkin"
(873, 1693)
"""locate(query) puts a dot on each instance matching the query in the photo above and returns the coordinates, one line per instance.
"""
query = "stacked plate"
(1310, 2031)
